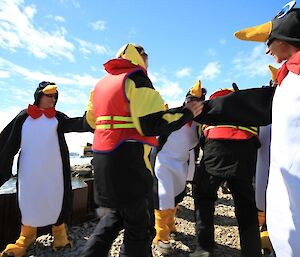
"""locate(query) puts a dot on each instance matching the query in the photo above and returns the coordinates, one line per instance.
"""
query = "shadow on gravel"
(225, 201)
(225, 221)
(225, 251)
(185, 213)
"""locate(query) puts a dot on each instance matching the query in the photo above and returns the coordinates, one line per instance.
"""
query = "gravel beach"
(184, 242)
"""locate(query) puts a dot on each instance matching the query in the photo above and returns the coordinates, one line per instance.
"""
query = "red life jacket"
(114, 124)
(230, 132)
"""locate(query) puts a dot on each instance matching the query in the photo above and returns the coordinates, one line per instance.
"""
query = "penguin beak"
(196, 90)
(50, 89)
(259, 33)
(273, 71)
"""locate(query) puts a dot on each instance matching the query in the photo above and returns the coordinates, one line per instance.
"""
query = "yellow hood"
(130, 53)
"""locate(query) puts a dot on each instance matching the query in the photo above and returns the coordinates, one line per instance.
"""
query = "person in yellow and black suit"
(229, 154)
(127, 114)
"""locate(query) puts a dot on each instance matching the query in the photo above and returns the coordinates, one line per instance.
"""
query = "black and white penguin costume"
(44, 181)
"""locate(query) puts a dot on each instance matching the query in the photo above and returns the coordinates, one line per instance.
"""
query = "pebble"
(184, 241)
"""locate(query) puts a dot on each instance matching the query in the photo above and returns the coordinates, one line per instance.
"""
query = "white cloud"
(252, 64)
(17, 30)
(99, 25)
(169, 90)
(211, 71)
(4, 74)
(72, 2)
(211, 52)
(8, 114)
(222, 41)
(87, 48)
(56, 18)
(185, 72)
(36, 76)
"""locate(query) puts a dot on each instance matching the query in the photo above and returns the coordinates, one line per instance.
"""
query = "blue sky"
(67, 41)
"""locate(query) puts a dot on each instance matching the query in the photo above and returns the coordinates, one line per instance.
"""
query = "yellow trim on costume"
(147, 150)
(170, 117)
(143, 101)
(50, 89)
(259, 33)
(90, 117)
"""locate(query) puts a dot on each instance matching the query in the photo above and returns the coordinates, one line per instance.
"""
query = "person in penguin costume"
(174, 162)
(279, 105)
(262, 174)
(44, 180)
(229, 154)
(282, 37)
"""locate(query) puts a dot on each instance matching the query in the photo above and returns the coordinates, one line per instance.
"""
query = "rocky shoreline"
(184, 242)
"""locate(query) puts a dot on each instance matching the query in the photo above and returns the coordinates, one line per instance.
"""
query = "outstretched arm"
(249, 107)
(148, 111)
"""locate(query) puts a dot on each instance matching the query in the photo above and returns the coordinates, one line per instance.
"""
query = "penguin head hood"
(197, 91)
(45, 88)
(133, 53)
(284, 26)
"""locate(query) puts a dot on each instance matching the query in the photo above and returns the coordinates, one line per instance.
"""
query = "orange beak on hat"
(196, 90)
(50, 89)
(259, 33)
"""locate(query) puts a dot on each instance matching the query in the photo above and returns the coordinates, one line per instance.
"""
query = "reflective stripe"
(103, 126)
(122, 118)
(127, 125)
(115, 126)
(253, 130)
(116, 118)
(100, 118)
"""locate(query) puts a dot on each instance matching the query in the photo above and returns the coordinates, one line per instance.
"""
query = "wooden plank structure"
(10, 219)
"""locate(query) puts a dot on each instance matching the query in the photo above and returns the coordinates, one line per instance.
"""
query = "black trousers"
(138, 223)
(205, 195)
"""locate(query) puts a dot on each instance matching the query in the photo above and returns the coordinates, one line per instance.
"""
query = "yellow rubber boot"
(19, 248)
(265, 241)
(171, 221)
(161, 240)
(261, 218)
(60, 237)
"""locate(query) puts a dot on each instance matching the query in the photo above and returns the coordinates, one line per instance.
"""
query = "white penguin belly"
(40, 173)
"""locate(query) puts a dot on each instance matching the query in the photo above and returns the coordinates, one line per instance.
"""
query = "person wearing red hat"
(44, 180)
(127, 114)
(229, 154)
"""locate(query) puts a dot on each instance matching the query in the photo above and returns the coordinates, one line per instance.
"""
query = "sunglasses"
(270, 41)
(43, 84)
(50, 95)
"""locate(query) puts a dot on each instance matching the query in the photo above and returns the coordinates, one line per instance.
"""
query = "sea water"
(74, 160)
(10, 186)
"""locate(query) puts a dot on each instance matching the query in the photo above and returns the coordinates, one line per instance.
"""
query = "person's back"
(229, 154)
(127, 113)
